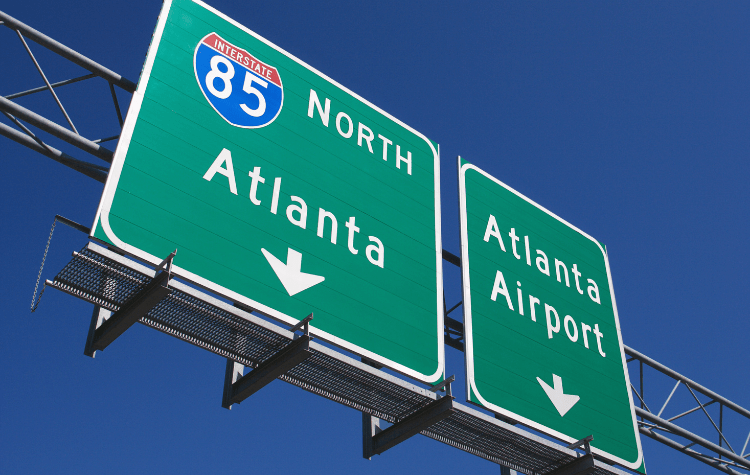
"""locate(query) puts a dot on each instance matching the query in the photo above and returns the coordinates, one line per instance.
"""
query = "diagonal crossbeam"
(44, 88)
(702, 406)
(690, 411)
(117, 104)
(677, 430)
(637, 394)
(88, 169)
(685, 449)
(669, 398)
(46, 81)
(56, 130)
(729, 415)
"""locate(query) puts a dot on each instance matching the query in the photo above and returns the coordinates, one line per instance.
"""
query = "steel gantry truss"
(18, 114)
(125, 292)
(722, 454)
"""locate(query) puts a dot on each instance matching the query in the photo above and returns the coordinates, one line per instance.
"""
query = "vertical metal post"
(370, 427)
(643, 398)
(370, 424)
(445, 309)
(117, 105)
(99, 316)
(721, 425)
(233, 373)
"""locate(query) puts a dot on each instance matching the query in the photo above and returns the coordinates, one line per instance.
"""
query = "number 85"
(226, 91)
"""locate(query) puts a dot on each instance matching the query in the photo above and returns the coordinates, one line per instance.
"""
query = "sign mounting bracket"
(445, 385)
(105, 329)
(303, 325)
(237, 387)
(580, 466)
(382, 440)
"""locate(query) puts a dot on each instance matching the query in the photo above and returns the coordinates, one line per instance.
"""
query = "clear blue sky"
(630, 120)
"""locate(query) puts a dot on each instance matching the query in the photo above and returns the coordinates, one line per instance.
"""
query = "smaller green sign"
(543, 343)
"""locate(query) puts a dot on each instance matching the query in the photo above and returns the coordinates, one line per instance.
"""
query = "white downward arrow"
(290, 275)
(563, 402)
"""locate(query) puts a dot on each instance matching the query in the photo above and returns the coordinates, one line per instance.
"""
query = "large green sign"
(280, 189)
(543, 344)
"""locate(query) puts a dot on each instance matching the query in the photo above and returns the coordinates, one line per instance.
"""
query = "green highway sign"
(543, 343)
(281, 190)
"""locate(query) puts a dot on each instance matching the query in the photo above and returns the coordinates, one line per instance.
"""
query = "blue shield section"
(241, 96)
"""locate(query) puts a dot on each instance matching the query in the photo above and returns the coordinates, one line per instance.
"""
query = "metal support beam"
(44, 88)
(675, 429)
(117, 104)
(46, 81)
(370, 428)
(233, 372)
(88, 169)
(67, 53)
(425, 417)
(505, 419)
(584, 443)
(698, 387)
(688, 451)
(452, 258)
(166, 264)
(454, 342)
(99, 316)
(56, 130)
(72, 224)
(370, 362)
(303, 325)
(444, 386)
(131, 312)
(370, 424)
(451, 310)
(454, 331)
(580, 466)
(699, 445)
(454, 324)
(287, 358)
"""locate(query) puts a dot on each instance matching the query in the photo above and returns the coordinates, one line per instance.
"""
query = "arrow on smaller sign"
(563, 402)
(290, 274)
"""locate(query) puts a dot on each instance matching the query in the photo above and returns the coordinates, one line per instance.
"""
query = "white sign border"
(110, 187)
(468, 343)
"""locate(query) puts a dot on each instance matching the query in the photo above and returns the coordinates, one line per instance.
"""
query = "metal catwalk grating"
(107, 279)
(191, 319)
(99, 280)
(491, 440)
(327, 376)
